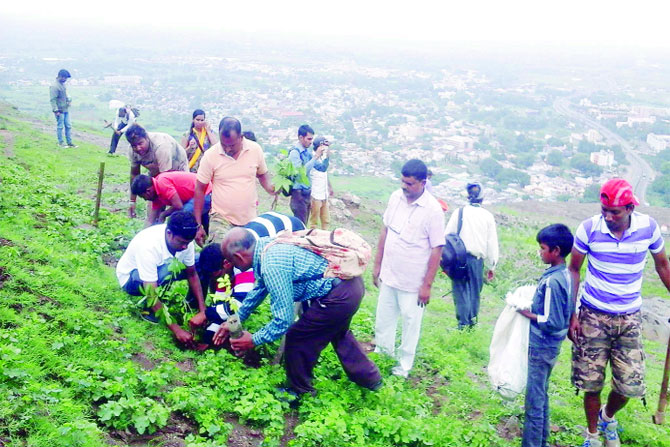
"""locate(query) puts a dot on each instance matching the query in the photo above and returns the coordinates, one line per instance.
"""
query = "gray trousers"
(466, 292)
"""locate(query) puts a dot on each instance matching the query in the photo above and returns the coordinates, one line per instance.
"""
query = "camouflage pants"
(616, 339)
(218, 227)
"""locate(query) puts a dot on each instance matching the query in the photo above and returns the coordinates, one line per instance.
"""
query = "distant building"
(657, 143)
(603, 158)
(593, 136)
(461, 142)
(122, 80)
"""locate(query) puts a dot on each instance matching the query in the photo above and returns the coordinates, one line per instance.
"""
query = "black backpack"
(454, 255)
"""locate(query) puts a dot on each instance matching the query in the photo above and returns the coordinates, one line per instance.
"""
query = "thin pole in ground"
(101, 175)
(663, 397)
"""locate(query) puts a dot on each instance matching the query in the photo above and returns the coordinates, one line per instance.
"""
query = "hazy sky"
(613, 22)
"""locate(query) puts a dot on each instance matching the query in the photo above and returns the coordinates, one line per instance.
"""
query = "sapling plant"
(168, 296)
(287, 173)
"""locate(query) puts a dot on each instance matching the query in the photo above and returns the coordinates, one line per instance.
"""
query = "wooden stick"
(663, 397)
(98, 196)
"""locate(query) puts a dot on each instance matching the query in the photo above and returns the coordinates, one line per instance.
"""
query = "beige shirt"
(233, 181)
(164, 154)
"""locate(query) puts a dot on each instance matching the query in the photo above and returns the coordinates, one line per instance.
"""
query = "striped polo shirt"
(614, 271)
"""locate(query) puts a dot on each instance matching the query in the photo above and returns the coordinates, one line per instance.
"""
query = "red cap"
(617, 192)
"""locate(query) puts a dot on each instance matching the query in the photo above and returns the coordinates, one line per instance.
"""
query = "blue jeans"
(132, 286)
(63, 120)
(188, 207)
(536, 426)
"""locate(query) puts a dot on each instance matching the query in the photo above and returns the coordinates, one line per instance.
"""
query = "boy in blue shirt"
(549, 320)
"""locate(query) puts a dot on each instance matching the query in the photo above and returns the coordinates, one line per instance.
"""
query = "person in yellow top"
(198, 139)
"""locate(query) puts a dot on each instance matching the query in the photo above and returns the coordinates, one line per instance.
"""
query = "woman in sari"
(198, 139)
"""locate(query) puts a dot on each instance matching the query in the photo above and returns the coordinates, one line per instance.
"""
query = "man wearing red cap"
(607, 326)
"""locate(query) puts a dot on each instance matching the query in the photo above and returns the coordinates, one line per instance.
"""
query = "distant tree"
(586, 148)
(553, 141)
(490, 167)
(664, 155)
(555, 157)
(665, 167)
(591, 194)
(582, 163)
(524, 161)
(508, 175)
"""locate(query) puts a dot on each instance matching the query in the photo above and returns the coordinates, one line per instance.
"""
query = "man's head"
(122, 112)
(413, 179)
(320, 141)
(555, 243)
(180, 231)
(305, 135)
(212, 263)
(63, 75)
(475, 194)
(138, 139)
(617, 203)
(230, 134)
(143, 186)
(238, 248)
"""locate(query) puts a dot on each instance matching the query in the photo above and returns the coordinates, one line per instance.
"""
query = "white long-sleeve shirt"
(478, 232)
(129, 119)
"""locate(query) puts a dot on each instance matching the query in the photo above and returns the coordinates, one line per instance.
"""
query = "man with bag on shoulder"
(478, 232)
(408, 256)
(293, 274)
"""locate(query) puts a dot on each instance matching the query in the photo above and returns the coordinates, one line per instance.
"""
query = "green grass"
(79, 368)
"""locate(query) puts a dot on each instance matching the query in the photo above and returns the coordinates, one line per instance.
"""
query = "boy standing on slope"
(549, 320)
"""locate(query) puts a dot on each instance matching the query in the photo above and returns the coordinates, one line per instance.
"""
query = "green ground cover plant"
(78, 367)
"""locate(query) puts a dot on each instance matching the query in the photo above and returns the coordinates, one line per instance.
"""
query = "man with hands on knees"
(145, 264)
(408, 256)
(289, 274)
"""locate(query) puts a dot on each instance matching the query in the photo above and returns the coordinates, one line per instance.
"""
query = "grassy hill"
(80, 368)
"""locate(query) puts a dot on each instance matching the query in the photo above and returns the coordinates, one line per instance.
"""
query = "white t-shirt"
(148, 251)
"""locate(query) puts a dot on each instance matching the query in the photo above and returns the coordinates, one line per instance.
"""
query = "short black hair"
(304, 130)
(63, 73)
(140, 184)
(249, 135)
(211, 259)
(134, 133)
(556, 235)
(415, 168)
(183, 224)
(229, 124)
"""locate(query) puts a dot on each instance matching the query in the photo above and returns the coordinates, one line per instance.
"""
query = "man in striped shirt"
(607, 327)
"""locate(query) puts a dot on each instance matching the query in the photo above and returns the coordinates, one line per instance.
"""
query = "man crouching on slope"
(289, 274)
(608, 328)
(145, 264)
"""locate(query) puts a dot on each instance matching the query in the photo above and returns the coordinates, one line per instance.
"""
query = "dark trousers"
(115, 139)
(300, 203)
(466, 292)
(327, 321)
(536, 425)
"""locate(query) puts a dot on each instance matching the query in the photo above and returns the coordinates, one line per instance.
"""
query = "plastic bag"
(508, 364)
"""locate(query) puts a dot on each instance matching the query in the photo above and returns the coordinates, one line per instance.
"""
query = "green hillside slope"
(78, 367)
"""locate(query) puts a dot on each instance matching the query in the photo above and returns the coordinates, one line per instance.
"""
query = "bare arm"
(433, 264)
(181, 335)
(152, 215)
(576, 262)
(379, 256)
(662, 267)
(265, 182)
(198, 204)
(134, 172)
(175, 205)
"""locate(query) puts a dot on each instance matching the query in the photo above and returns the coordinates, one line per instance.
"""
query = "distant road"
(638, 171)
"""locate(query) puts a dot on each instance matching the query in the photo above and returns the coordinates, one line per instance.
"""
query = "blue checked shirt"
(287, 274)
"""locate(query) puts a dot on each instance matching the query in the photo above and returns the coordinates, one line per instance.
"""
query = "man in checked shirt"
(292, 274)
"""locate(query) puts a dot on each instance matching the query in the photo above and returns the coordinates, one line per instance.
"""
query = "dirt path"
(9, 143)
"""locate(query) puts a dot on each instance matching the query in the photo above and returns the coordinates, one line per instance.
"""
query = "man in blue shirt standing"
(60, 106)
(289, 274)
(303, 156)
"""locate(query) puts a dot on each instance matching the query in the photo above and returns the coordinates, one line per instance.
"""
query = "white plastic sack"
(508, 363)
(116, 104)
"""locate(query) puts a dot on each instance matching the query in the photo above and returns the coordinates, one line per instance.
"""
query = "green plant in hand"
(287, 173)
(170, 294)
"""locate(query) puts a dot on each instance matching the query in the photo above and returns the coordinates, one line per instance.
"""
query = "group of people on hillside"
(217, 203)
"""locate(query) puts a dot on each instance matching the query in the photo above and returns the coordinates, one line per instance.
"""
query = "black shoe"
(148, 315)
(72, 145)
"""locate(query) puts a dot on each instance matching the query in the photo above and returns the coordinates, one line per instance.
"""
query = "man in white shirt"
(145, 264)
(479, 235)
(123, 120)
